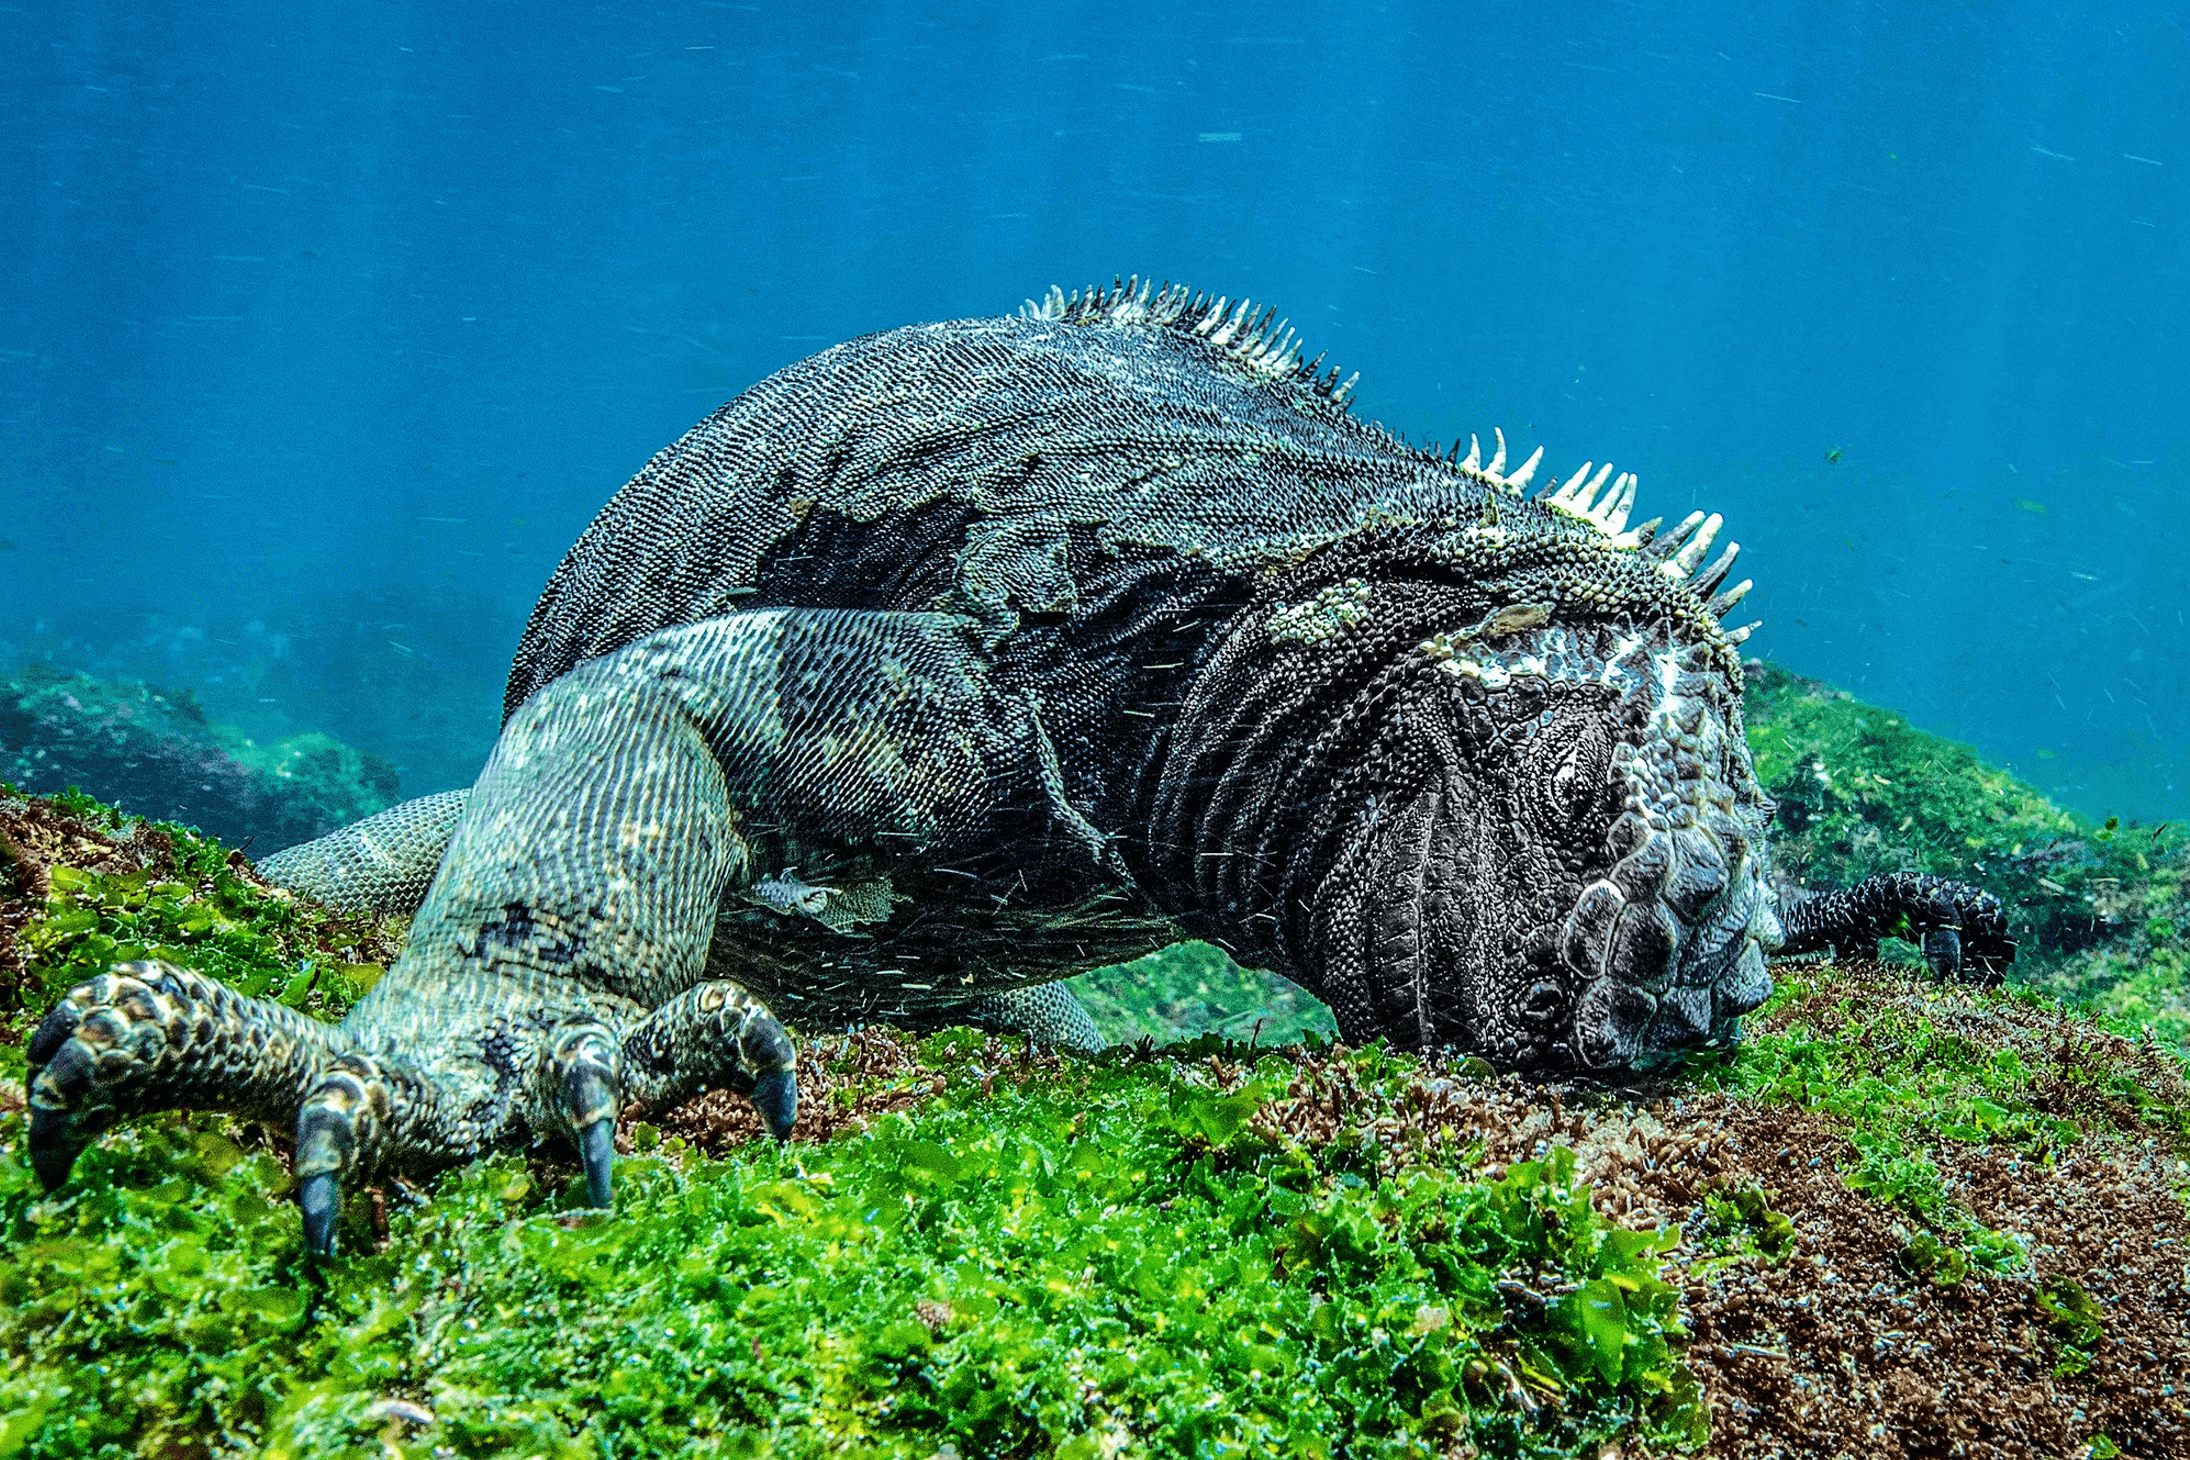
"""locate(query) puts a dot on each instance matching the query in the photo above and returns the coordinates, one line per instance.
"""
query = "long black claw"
(54, 1145)
(598, 1146)
(592, 1094)
(775, 1096)
(321, 1198)
(338, 1132)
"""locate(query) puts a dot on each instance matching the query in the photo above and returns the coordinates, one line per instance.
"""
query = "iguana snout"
(1667, 949)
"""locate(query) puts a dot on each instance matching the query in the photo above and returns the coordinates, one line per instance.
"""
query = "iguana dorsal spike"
(1230, 326)
(1498, 457)
(1723, 604)
(1624, 489)
(1586, 499)
(1671, 543)
(1475, 454)
(1559, 492)
(1520, 478)
(1683, 562)
(1709, 579)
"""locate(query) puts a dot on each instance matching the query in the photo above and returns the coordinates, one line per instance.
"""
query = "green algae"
(1906, 1079)
(1038, 1258)
(165, 892)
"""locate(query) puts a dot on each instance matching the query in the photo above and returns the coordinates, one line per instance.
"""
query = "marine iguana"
(960, 658)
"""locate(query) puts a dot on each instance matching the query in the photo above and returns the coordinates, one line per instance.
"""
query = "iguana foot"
(714, 1036)
(151, 1036)
(1962, 929)
(370, 1113)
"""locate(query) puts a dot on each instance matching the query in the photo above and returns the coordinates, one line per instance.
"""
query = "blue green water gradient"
(324, 330)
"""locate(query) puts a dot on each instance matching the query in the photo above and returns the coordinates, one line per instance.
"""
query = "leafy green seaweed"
(1035, 1259)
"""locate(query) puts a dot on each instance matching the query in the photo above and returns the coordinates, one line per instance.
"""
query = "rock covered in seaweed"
(153, 752)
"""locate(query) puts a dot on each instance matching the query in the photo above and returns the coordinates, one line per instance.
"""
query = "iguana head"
(1493, 792)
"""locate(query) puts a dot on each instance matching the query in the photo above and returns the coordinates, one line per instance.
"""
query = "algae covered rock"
(152, 752)
(1900, 1218)
(1193, 989)
(83, 887)
(2096, 907)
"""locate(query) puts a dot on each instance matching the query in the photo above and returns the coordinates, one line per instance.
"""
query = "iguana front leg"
(540, 988)
(1962, 929)
(150, 1036)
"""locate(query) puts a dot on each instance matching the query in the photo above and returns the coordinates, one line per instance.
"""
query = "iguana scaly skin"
(961, 658)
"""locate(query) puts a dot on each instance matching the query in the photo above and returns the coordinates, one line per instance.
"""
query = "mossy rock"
(1898, 1218)
(152, 752)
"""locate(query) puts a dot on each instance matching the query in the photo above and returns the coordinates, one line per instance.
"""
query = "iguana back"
(994, 467)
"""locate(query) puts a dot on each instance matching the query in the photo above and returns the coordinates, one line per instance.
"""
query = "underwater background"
(323, 332)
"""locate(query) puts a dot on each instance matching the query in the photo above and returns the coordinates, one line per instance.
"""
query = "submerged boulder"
(152, 752)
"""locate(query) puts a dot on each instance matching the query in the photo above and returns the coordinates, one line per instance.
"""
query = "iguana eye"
(1543, 1002)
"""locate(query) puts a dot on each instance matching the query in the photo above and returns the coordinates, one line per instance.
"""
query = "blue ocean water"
(324, 330)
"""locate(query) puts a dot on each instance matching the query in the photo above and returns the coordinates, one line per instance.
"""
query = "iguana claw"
(775, 1096)
(321, 1198)
(597, 1148)
(54, 1146)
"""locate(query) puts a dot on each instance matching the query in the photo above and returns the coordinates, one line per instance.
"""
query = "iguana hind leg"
(557, 965)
